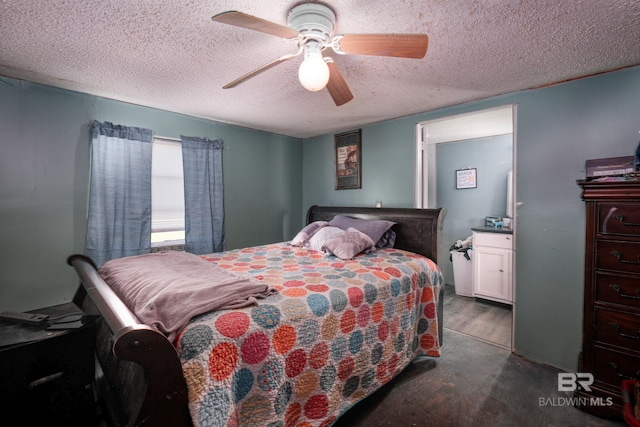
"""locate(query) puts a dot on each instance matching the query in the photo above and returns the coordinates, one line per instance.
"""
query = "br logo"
(568, 381)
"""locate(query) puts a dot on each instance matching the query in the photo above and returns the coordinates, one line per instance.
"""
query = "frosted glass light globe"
(313, 72)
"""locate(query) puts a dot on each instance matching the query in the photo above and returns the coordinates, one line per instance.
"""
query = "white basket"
(462, 273)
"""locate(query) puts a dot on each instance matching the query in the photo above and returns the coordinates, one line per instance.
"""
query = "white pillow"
(348, 245)
(322, 236)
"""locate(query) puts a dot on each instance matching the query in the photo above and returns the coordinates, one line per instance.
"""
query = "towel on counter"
(166, 289)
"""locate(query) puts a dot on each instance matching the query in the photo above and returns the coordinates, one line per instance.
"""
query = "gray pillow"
(349, 244)
(388, 240)
(379, 230)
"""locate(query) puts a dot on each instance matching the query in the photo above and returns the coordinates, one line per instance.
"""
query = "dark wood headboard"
(416, 229)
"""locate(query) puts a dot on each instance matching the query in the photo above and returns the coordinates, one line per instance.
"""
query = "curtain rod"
(167, 138)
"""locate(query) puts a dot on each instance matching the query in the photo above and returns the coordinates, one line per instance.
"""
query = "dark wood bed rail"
(164, 400)
(114, 312)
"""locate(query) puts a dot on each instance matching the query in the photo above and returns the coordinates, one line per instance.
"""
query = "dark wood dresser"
(611, 331)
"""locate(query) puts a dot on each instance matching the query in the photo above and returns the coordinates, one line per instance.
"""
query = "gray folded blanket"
(165, 290)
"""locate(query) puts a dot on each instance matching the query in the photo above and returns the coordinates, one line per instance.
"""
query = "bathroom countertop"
(488, 229)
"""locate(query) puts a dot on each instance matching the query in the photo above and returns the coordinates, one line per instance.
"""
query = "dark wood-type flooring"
(477, 382)
(473, 384)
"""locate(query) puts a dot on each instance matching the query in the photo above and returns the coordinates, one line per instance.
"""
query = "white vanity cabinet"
(492, 266)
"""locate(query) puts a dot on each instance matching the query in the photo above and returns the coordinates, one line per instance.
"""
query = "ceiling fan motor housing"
(313, 21)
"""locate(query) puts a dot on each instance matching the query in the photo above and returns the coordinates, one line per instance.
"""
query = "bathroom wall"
(492, 157)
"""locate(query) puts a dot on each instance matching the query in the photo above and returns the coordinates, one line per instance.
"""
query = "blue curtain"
(120, 193)
(203, 195)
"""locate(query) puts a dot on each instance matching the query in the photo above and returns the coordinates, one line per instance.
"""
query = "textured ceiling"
(168, 54)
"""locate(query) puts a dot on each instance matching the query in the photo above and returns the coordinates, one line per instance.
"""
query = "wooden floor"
(474, 383)
(482, 319)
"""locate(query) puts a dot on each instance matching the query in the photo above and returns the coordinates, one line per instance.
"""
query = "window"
(167, 193)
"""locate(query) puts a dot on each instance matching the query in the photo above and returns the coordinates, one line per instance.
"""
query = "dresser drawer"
(612, 367)
(618, 290)
(619, 218)
(618, 256)
(619, 329)
(495, 240)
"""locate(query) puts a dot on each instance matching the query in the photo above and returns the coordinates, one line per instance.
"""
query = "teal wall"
(44, 183)
(44, 160)
(492, 157)
(388, 159)
(558, 129)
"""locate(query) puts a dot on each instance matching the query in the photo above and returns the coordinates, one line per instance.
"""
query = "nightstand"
(46, 375)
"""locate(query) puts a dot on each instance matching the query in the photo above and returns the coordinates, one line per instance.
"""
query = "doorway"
(483, 142)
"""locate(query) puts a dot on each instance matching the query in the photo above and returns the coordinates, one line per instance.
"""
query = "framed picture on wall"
(348, 148)
(466, 178)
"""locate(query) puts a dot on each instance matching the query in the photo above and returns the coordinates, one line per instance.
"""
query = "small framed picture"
(466, 178)
(348, 160)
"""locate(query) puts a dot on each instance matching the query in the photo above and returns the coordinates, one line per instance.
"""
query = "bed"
(332, 332)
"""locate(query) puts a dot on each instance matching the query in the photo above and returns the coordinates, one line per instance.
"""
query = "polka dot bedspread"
(333, 334)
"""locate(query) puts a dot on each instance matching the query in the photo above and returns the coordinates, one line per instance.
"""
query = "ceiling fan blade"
(398, 45)
(259, 70)
(243, 20)
(337, 85)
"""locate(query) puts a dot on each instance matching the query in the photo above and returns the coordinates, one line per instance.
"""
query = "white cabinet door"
(492, 273)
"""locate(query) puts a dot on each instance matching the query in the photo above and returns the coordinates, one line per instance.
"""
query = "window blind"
(167, 187)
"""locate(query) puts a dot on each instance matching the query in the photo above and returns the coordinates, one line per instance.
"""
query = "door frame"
(424, 190)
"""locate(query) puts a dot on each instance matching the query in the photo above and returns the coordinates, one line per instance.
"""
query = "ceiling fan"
(311, 27)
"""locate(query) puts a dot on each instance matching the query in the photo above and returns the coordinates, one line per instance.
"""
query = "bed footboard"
(143, 381)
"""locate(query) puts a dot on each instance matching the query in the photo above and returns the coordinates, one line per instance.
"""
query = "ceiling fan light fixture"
(311, 27)
(314, 71)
